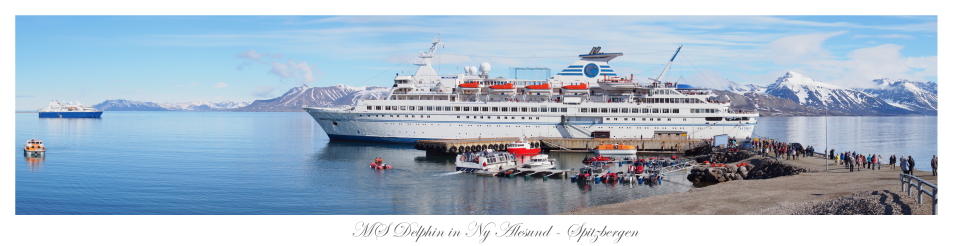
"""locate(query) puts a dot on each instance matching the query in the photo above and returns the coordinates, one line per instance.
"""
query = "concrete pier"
(456, 146)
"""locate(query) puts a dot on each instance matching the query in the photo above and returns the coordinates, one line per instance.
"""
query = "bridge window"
(403, 107)
(625, 110)
(524, 109)
(664, 110)
(494, 109)
(654, 110)
(614, 110)
(584, 110)
(534, 110)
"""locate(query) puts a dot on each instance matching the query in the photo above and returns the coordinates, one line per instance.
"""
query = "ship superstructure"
(584, 100)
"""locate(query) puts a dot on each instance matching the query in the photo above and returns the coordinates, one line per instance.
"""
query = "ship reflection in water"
(35, 163)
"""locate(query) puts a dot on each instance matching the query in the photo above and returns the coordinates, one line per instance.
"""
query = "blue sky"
(244, 58)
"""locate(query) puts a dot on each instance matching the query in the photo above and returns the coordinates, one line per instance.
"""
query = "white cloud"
(301, 72)
(251, 55)
(800, 48)
(900, 36)
(263, 91)
(220, 85)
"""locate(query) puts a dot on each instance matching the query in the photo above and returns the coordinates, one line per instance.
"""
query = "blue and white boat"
(69, 110)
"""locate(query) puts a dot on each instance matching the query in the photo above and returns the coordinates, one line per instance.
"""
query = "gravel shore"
(833, 191)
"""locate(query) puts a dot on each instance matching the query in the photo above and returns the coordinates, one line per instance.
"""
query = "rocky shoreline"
(806, 186)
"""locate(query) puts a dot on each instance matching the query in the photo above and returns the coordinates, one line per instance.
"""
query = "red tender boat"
(521, 147)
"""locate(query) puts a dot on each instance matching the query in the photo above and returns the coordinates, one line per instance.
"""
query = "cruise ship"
(586, 99)
(69, 110)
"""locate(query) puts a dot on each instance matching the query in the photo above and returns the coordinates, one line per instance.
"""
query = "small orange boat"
(34, 148)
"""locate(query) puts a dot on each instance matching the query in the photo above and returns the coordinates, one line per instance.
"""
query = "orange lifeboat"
(506, 86)
(470, 85)
(576, 87)
(538, 87)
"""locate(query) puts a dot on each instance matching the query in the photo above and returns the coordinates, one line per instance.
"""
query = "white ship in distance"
(585, 99)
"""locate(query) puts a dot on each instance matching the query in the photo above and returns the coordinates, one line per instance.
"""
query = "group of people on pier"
(853, 160)
(789, 151)
(850, 159)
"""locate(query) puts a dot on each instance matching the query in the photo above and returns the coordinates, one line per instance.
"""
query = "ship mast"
(425, 68)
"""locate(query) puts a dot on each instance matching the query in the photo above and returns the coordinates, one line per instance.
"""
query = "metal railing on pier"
(908, 180)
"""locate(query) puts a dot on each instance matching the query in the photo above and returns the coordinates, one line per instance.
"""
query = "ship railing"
(907, 181)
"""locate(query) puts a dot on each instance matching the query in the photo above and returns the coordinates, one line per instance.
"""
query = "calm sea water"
(283, 163)
(267, 163)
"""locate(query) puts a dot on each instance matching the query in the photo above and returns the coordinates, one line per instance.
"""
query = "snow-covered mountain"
(919, 97)
(203, 106)
(809, 92)
(734, 87)
(127, 105)
(332, 96)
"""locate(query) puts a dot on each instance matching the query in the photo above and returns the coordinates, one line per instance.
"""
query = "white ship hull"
(408, 127)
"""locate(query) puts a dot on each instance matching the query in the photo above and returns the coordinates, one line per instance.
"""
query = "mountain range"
(326, 97)
(127, 105)
(891, 97)
(291, 101)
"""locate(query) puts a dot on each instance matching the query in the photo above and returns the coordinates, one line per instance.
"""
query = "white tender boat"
(540, 162)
